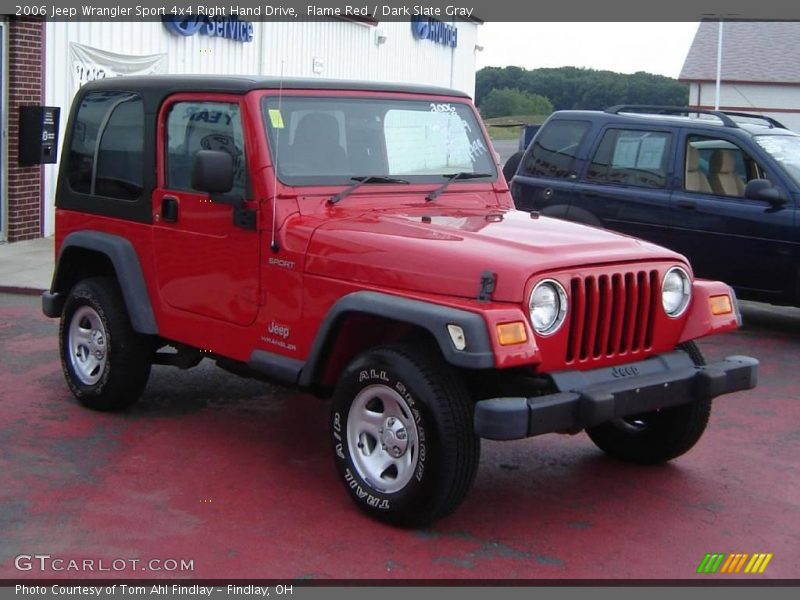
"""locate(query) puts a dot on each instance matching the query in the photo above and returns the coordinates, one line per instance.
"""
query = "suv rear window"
(555, 149)
(106, 153)
(631, 157)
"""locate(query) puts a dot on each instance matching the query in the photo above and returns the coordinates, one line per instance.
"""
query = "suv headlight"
(548, 306)
(676, 291)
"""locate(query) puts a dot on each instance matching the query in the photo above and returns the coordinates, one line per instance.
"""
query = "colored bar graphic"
(732, 560)
(765, 563)
(704, 564)
(717, 562)
(741, 563)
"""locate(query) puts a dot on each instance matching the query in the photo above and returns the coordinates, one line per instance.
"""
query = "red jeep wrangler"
(356, 240)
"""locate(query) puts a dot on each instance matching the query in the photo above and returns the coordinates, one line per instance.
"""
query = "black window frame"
(101, 132)
(617, 128)
(761, 171)
(247, 190)
(577, 159)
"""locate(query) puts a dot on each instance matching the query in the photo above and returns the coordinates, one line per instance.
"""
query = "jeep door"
(546, 177)
(625, 181)
(750, 244)
(205, 264)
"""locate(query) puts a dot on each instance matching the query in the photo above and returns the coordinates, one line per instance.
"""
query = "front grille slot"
(611, 314)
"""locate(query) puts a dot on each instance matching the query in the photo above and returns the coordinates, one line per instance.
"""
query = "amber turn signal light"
(720, 305)
(511, 333)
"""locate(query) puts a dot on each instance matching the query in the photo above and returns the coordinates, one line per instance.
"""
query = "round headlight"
(548, 306)
(675, 291)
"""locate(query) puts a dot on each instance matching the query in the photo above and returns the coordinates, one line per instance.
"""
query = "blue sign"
(226, 27)
(425, 28)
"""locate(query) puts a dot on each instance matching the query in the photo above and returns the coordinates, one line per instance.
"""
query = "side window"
(720, 167)
(631, 157)
(555, 149)
(195, 126)
(106, 154)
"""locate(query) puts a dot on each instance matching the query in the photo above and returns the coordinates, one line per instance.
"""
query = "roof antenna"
(274, 244)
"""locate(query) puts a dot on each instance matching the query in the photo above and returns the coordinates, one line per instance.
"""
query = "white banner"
(90, 63)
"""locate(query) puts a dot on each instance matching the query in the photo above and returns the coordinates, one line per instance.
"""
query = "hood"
(445, 251)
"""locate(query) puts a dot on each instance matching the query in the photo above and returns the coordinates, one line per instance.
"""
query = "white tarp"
(90, 63)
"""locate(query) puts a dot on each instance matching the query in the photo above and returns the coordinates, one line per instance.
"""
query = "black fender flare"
(478, 353)
(128, 269)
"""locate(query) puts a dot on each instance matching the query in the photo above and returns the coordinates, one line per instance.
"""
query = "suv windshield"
(330, 141)
(785, 149)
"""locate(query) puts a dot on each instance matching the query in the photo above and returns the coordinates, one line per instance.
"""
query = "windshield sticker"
(476, 149)
(276, 118)
(442, 108)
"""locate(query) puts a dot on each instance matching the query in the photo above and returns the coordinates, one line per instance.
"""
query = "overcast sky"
(624, 47)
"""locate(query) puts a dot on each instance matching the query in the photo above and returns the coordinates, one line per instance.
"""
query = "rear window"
(107, 146)
(555, 149)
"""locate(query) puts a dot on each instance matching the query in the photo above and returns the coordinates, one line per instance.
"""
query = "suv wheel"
(658, 436)
(105, 362)
(403, 436)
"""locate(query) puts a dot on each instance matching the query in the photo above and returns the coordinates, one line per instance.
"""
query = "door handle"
(686, 204)
(169, 209)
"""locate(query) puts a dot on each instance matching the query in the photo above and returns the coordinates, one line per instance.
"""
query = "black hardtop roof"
(163, 85)
(672, 120)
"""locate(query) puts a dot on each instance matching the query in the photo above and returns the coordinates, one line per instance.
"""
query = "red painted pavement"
(237, 476)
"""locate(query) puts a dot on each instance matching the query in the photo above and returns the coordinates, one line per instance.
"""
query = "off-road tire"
(122, 375)
(664, 434)
(440, 415)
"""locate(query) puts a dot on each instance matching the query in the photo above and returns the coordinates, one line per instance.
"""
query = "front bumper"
(588, 398)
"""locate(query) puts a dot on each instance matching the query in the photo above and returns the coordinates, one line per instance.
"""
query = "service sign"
(229, 27)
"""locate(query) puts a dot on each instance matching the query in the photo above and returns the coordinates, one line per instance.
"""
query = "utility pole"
(719, 64)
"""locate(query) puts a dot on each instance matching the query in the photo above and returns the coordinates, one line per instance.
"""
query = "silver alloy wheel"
(86, 344)
(382, 438)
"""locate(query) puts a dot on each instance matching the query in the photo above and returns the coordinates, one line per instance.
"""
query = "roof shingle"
(752, 51)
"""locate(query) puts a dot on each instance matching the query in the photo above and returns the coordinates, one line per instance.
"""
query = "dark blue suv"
(721, 188)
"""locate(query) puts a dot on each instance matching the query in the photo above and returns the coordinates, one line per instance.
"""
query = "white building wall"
(752, 97)
(325, 49)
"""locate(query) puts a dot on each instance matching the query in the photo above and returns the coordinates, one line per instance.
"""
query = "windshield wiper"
(450, 179)
(361, 181)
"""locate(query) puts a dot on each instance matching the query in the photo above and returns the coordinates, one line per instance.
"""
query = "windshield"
(330, 141)
(785, 149)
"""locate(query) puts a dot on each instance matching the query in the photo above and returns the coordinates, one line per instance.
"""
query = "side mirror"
(212, 172)
(762, 189)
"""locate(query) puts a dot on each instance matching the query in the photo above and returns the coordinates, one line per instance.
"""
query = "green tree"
(505, 102)
(574, 88)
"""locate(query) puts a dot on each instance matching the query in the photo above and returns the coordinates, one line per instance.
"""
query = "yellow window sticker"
(276, 118)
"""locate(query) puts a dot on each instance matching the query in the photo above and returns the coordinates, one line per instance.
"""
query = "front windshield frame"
(274, 113)
(785, 151)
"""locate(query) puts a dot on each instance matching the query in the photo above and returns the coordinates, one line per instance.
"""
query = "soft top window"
(107, 146)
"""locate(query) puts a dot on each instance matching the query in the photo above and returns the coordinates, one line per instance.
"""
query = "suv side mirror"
(212, 172)
(762, 189)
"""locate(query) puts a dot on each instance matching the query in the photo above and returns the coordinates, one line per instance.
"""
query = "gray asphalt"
(505, 148)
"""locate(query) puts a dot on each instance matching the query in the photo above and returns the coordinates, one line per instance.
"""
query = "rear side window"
(106, 154)
(631, 157)
(195, 126)
(555, 149)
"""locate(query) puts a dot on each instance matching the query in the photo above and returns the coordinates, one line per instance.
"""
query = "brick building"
(22, 68)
